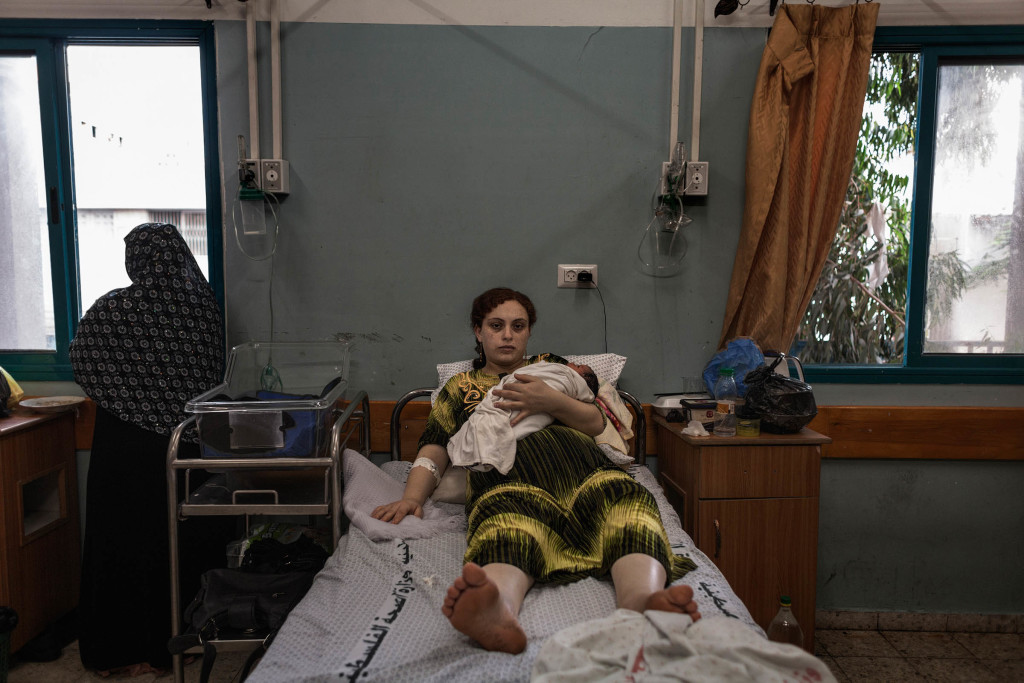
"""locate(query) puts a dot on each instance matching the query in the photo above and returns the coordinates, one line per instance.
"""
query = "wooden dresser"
(751, 505)
(40, 547)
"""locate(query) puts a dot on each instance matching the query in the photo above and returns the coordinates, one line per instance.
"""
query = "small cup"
(748, 426)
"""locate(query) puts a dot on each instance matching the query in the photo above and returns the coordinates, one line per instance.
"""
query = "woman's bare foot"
(475, 607)
(674, 599)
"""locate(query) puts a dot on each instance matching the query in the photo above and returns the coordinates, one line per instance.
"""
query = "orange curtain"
(801, 143)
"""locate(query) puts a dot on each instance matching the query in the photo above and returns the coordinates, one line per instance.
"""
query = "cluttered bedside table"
(751, 505)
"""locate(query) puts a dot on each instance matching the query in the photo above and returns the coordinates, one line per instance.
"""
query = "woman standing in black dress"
(140, 353)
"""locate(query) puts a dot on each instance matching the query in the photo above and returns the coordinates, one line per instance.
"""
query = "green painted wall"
(430, 163)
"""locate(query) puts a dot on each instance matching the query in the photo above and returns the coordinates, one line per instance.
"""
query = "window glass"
(925, 277)
(974, 301)
(26, 297)
(137, 131)
(103, 127)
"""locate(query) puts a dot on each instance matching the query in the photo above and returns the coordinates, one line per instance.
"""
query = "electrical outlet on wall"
(569, 275)
(274, 176)
(249, 174)
(696, 178)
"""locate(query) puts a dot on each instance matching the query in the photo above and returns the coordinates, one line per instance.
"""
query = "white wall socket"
(696, 179)
(274, 176)
(569, 275)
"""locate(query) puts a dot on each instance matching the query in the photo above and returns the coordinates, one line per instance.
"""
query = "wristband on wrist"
(428, 464)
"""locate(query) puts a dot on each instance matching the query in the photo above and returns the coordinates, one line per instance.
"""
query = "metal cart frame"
(325, 503)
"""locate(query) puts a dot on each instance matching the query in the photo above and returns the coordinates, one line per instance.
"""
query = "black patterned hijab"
(141, 352)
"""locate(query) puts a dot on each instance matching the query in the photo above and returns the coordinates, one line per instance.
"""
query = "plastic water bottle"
(783, 628)
(725, 403)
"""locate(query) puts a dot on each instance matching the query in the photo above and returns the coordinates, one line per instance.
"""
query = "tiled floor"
(852, 655)
(904, 646)
(937, 656)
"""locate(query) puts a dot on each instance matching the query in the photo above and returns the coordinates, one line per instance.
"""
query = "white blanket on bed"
(661, 646)
(367, 486)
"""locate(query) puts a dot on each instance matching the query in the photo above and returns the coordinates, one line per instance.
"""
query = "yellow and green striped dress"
(564, 511)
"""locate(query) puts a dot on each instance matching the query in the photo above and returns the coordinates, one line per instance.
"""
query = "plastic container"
(748, 426)
(725, 403)
(783, 627)
(277, 400)
(235, 551)
(668, 405)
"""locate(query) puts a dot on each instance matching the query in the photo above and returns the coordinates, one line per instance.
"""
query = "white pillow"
(607, 366)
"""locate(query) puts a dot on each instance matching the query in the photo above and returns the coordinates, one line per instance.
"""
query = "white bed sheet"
(374, 612)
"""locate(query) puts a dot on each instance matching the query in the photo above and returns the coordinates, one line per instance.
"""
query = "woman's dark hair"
(487, 302)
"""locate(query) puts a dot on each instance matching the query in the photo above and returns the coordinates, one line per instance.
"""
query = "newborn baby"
(488, 440)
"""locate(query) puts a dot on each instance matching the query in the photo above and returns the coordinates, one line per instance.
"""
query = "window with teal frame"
(110, 124)
(925, 280)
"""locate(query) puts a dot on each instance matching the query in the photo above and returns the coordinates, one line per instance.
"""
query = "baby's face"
(588, 374)
(582, 370)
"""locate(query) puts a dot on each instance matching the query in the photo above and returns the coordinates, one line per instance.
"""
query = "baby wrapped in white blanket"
(488, 440)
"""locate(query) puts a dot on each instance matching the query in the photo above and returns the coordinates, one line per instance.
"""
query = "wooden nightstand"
(39, 532)
(751, 505)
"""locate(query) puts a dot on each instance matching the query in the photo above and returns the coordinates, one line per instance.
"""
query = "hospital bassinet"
(276, 400)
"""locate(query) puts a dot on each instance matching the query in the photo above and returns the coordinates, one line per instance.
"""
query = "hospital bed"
(374, 611)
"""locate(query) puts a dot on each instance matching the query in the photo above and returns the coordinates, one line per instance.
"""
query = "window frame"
(47, 40)
(933, 44)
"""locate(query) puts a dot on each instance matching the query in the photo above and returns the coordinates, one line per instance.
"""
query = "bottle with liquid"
(783, 628)
(725, 403)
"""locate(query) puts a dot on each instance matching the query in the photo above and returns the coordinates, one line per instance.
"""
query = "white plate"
(52, 404)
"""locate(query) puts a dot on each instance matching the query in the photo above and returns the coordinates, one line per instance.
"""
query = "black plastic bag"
(5, 395)
(784, 404)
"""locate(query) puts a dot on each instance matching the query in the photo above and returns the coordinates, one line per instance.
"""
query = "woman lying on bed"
(563, 512)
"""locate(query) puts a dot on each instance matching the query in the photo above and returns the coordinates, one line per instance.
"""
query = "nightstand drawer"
(777, 471)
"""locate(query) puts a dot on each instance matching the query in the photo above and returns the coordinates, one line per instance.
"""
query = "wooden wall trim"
(857, 432)
(922, 432)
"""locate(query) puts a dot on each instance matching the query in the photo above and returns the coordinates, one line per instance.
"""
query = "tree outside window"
(926, 271)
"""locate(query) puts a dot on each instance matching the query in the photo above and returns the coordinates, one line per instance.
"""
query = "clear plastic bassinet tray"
(277, 401)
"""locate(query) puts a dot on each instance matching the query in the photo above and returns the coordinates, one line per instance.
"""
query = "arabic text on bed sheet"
(719, 601)
(403, 551)
(403, 586)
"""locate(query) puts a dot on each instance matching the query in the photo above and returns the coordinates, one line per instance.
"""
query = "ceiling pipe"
(698, 72)
(275, 75)
(677, 30)
(254, 100)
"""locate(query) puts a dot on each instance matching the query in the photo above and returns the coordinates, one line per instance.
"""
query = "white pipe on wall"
(677, 30)
(254, 100)
(275, 74)
(698, 71)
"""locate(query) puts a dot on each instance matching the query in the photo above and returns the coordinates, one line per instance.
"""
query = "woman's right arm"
(418, 487)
